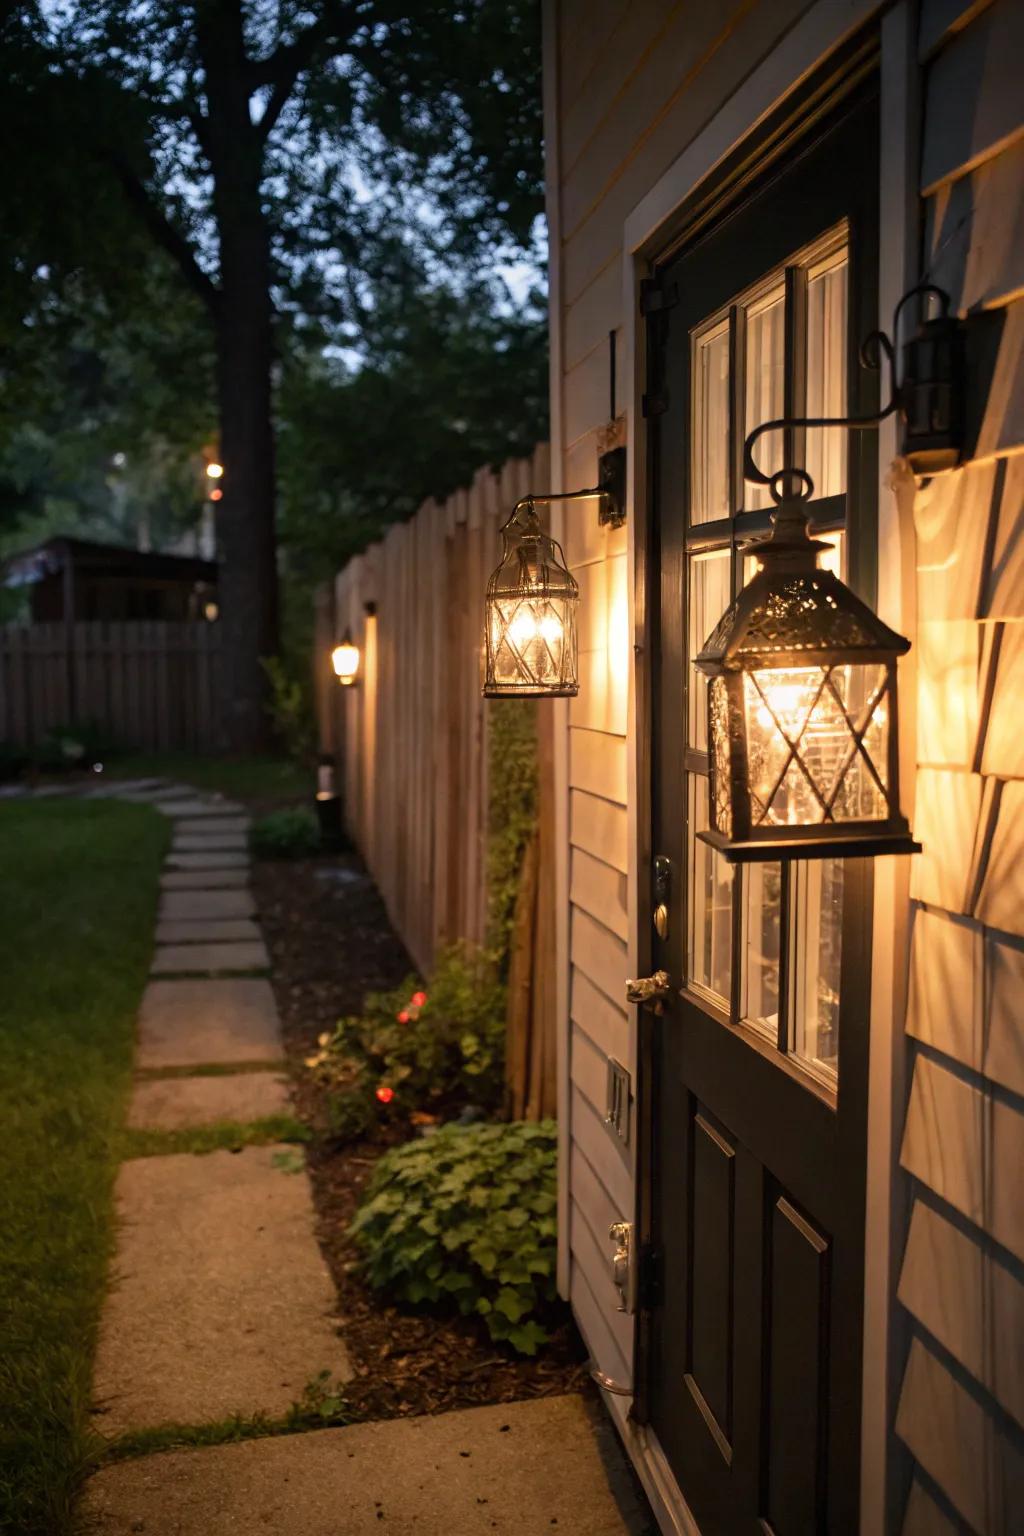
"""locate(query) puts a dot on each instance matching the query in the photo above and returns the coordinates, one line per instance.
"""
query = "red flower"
(403, 1017)
(418, 999)
(385, 1094)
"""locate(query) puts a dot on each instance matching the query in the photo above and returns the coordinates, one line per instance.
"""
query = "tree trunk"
(245, 355)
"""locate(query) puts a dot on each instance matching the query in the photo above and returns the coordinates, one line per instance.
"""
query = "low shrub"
(468, 1215)
(419, 1048)
(65, 747)
(289, 834)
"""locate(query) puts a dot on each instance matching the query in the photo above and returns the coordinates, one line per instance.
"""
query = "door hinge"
(650, 1276)
(654, 405)
(656, 296)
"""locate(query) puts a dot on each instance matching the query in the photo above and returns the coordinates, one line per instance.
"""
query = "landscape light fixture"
(530, 606)
(214, 470)
(803, 715)
(345, 660)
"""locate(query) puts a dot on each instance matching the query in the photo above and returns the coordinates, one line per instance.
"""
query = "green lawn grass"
(242, 778)
(78, 890)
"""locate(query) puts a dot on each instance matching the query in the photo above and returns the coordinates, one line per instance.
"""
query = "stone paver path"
(520, 1469)
(220, 1301)
(217, 959)
(192, 1023)
(172, 1103)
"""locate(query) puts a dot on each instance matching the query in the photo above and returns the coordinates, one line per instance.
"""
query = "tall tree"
(274, 151)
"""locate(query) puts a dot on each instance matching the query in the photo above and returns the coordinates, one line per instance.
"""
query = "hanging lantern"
(345, 660)
(802, 710)
(530, 614)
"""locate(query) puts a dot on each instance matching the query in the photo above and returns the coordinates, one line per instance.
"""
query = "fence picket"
(147, 685)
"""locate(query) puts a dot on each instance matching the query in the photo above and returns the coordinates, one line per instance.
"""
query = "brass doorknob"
(650, 991)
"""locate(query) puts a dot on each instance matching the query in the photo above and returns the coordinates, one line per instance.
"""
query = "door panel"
(758, 1067)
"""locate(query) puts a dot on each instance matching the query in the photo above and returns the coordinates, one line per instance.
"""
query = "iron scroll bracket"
(876, 348)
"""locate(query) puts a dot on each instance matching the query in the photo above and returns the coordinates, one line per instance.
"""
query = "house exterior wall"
(960, 1408)
(635, 83)
(630, 87)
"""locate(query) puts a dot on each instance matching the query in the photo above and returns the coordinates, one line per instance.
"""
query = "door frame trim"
(646, 232)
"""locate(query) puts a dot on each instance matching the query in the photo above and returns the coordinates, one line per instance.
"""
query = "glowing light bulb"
(345, 660)
(523, 628)
(214, 470)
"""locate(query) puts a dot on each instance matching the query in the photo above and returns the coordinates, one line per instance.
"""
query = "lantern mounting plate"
(861, 845)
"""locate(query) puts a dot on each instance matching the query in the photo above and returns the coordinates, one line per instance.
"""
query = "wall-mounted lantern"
(345, 660)
(802, 710)
(803, 716)
(530, 626)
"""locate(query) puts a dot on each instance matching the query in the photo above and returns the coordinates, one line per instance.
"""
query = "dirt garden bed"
(330, 942)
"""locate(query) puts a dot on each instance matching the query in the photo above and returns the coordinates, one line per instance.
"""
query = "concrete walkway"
(220, 1302)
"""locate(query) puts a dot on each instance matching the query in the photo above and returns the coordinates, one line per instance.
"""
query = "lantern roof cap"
(792, 612)
(532, 563)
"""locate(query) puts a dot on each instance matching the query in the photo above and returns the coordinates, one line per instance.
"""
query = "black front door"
(759, 1063)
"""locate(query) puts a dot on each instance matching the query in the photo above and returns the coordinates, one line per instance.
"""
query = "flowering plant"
(416, 1048)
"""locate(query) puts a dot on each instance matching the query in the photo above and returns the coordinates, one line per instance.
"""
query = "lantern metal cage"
(802, 708)
(530, 630)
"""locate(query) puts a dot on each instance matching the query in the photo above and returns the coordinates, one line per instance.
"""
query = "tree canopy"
(228, 217)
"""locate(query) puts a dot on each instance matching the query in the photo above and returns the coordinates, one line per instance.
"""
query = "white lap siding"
(628, 87)
(961, 1404)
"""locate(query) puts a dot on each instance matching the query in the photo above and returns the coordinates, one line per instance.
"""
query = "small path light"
(214, 470)
(803, 722)
(345, 660)
(530, 628)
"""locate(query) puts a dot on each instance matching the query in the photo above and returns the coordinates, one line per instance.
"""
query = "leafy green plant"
(419, 1048)
(290, 707)
(289, 834)
(511, 812)
(72, 746)
(468, 1215)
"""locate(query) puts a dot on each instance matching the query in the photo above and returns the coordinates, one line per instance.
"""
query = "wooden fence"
(152, 685)
(410, 741)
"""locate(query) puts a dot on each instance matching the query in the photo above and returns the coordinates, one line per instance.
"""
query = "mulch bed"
(330, 942)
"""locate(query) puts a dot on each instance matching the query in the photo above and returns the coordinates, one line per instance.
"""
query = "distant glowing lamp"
(214, 470)
(345, 660)
(216, 494)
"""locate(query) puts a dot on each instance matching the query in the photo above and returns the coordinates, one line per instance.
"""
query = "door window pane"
(710, 595)
(762, 946)
(826, 372)
(709, 902)
(817, 906)
(765, 385)
(710, 428)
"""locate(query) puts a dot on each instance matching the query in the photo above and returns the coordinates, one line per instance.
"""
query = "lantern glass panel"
(817, 743)
(531, 642)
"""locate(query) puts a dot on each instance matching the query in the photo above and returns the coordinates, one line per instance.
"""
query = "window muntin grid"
(764, 942)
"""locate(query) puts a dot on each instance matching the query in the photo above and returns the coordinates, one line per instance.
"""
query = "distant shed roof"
(30, 566)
